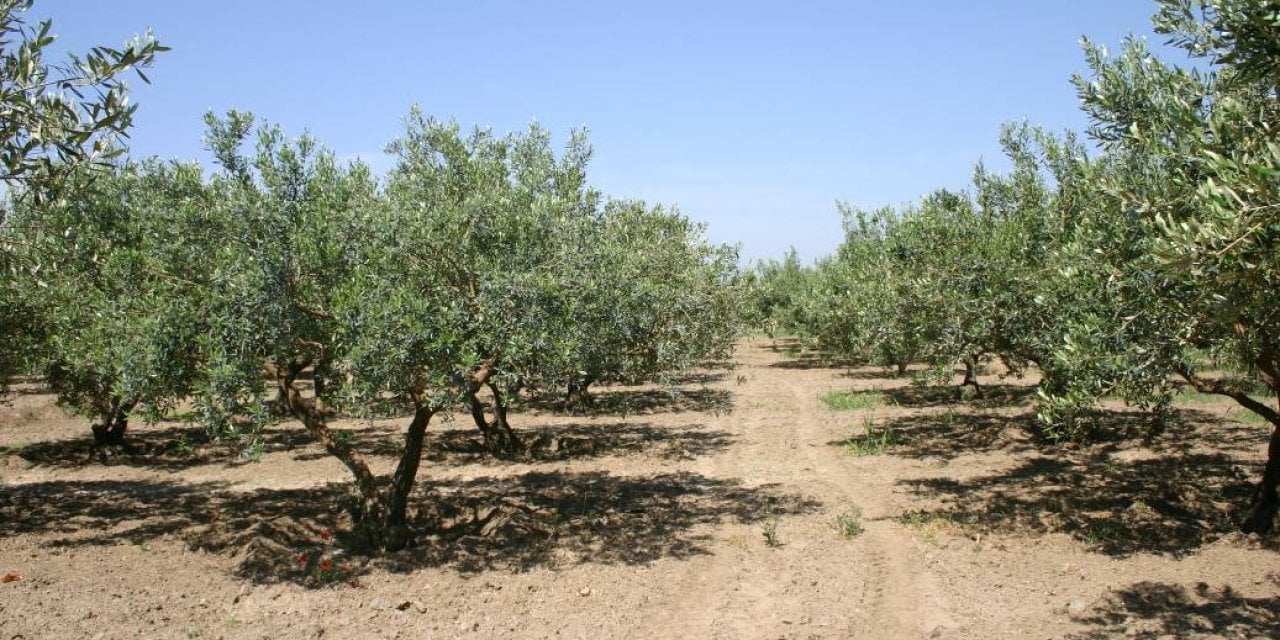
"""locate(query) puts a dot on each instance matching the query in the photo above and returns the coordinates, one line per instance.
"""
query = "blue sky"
(754, 117)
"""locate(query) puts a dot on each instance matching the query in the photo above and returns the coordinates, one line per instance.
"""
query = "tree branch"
(1205, 385)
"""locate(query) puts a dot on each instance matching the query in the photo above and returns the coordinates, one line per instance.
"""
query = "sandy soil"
(730, 511)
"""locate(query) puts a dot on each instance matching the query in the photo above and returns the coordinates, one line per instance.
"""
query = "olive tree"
(54, 119)
(560, 288)
(649, 297)
(1193, 173)
(113, 270)
(777, 295)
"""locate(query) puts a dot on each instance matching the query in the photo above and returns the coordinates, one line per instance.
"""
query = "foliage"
(1115, 275)
(59, 115)
(1194, 172)
(555, 288)
(54, 119)
(484, 264)
(776, 294)
(849, 524)
(114, 279)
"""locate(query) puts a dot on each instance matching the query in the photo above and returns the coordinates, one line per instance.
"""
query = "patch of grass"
(875, 441)
(1247, 417)
(853, 400)
(14, 449)
(849, 523)
(1240, 414)
(932, 524)
(1195, 397)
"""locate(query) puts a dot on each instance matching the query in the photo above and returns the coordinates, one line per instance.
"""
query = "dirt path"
(677, 520)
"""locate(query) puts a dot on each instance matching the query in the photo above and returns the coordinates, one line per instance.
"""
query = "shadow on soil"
(499, 524)
(175, 448)
(624, 402)
(1171, 493)
(1158, 610)
(167, 448)
(560, 442)
(993, 395)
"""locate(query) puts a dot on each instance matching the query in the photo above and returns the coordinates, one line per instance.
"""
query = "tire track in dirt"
(905, 601)
(816, 584)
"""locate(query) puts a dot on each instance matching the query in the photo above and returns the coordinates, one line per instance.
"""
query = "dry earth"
(719, 513)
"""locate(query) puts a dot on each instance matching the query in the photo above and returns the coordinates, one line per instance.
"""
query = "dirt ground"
(742, 507)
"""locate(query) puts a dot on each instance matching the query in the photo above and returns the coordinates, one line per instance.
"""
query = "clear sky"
(754, 117)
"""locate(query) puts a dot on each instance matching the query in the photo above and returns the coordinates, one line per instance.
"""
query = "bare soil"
(738, 508)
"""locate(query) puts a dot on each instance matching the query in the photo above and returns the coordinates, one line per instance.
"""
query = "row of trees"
(482, 267)
(1127, 271)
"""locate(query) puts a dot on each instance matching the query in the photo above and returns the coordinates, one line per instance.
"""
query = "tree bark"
(110, 432)
(579, 394)
(381, 520)
(971, 376)
(499, 437)
(396, 533)
(1262, 516)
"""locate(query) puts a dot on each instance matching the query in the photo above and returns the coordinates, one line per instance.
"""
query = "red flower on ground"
(302, 559)
(326, 535)
(325, 565)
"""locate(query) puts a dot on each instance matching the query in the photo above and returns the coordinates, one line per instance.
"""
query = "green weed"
(770, 533)
(875, 441)
(853, 400)
(849, 523)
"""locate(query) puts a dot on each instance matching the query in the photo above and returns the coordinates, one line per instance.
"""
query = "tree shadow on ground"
(1158, 610)
(166, 448)
(993, 395)
(625, 402)
(1126, 492)
(491, 523)
(554, 443)
(580, 441)
(951, 434)
(876, 373)
(1170, 504)
(815, 360)
(699, 378)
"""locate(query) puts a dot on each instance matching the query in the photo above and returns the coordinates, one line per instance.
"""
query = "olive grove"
(1147, 264)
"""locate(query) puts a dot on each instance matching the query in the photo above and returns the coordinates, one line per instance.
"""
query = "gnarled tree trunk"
(1262, 515)
(578, 395)
(110, 431)
(499, 438)
(971, 376)
(382, 520)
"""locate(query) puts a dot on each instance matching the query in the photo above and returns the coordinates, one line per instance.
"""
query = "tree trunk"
(578, 395)
(971, 377)
(394, 528)
(1261, 517)
(110, 432)
(499, 438)
(381, 521)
